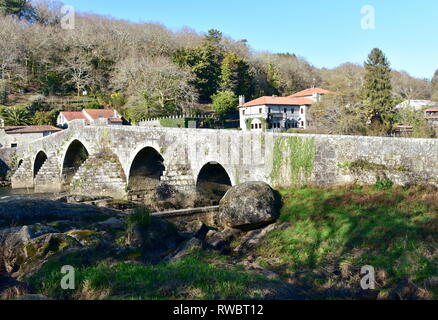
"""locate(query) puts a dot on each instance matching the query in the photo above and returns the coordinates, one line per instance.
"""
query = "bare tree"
(164, 86)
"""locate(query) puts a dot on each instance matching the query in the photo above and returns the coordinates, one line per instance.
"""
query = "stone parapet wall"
(281, 160)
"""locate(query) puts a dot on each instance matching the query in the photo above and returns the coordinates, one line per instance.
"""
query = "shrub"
(141, 215)
(224, 102)
(93, 105)
(383, 184)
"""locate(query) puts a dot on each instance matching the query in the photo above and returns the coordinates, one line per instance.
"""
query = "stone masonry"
(279, 159)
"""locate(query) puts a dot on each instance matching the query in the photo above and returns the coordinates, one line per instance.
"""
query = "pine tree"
(377, 90)
(235, 75)
(204, 63)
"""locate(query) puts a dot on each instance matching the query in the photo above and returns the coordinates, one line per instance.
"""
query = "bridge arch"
(146, 169)
(75, 155)
(213, 181)
(38, 162)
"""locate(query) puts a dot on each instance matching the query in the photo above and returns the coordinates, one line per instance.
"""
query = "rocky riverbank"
(313, 249)
(35, 233)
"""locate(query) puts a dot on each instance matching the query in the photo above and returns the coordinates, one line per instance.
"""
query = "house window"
(14, 145)
(243, 112)
(302, 123)
(302, 110)
(252, 126)
(269, 110)
(260, 110)
(285, 110)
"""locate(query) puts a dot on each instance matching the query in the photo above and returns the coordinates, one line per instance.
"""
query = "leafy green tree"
(236, 75)
(377, 91)
(224, 102)
(43, 118)
(16, 116)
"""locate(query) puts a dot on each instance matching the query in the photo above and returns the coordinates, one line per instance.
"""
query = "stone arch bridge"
(103, 160)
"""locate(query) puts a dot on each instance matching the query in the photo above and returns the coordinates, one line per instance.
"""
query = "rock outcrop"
(155, 240)
(27, 212)
(249, 206)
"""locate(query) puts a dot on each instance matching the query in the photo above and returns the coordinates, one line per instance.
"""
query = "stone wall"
(279, 159)
(8, 161)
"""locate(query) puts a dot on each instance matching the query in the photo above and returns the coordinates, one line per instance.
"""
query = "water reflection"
(23, 194)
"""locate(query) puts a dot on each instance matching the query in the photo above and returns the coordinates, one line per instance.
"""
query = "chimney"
(241, 100)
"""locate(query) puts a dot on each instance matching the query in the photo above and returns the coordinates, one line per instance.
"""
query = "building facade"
(15, 136)
(431, 115)
(279, 113)
(89, 116)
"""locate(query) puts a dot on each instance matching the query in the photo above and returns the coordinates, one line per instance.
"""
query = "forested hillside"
(145, 69)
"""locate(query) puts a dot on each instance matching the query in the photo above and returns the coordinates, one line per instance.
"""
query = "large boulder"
(21, 253)
(249, 206)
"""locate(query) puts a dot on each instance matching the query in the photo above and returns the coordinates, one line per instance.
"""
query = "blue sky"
(325, 32)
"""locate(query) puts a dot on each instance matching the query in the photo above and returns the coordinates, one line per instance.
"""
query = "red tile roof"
(98, 113)
(30, 129)
(93, 113)
(73, 115)
(309, 92)
(282, 101)
(431, 110)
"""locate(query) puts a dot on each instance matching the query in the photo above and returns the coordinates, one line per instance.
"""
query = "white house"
(89, 115)
(279, 113)
(418, 105)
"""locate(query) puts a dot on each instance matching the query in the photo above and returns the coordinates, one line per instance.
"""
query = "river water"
(23, 194)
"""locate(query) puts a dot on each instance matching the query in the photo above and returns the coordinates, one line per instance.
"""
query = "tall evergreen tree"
(273, 78)
(205, 64)
(377, 89)
(235, 75)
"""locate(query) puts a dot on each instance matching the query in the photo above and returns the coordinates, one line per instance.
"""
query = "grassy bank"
(195, 277)
(332, 233)
(336, 231)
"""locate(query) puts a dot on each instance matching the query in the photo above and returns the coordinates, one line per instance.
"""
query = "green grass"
(194, 277)
(392, 229)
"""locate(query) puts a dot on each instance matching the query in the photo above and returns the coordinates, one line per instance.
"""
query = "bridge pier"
(48, 179)
(180, 177)
(23, 177)
(100, 175)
